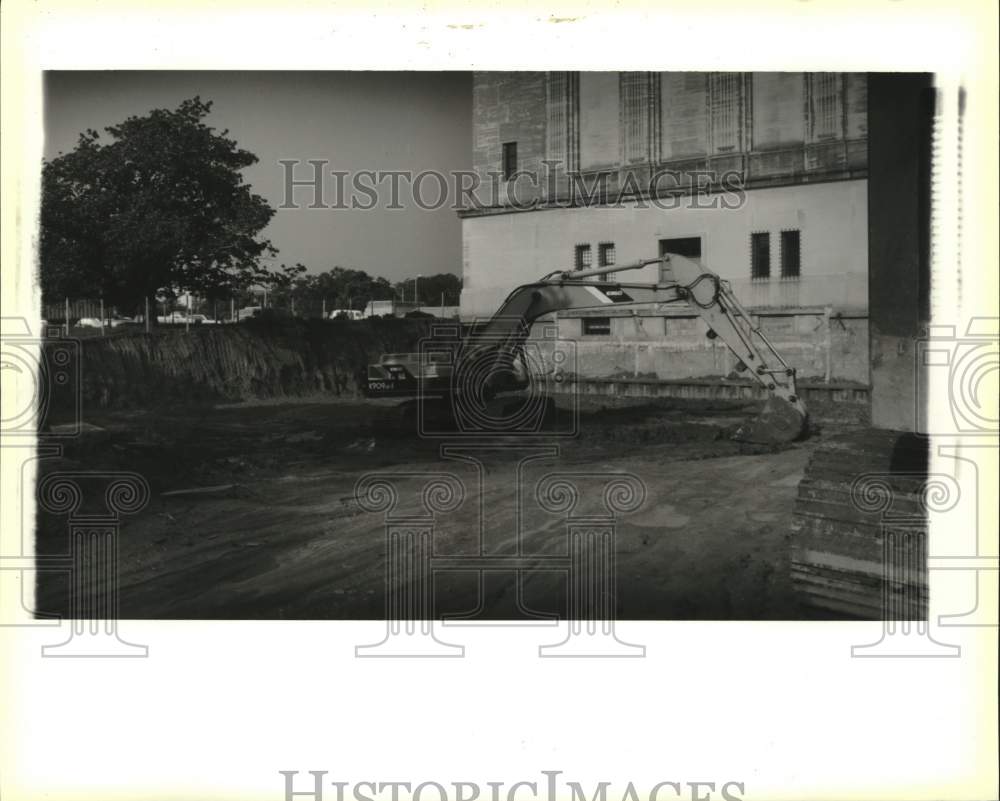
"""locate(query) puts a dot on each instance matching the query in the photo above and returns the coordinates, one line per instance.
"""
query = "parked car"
(88, 322)
(346, 314)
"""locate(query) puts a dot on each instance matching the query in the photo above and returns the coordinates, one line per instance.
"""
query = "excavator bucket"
(778, 423)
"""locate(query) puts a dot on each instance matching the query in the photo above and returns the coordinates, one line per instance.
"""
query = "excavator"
(490, 360)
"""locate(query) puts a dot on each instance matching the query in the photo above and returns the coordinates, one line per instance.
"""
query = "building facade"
(763, 176)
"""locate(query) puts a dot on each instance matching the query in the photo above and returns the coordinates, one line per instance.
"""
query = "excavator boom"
(492, 351)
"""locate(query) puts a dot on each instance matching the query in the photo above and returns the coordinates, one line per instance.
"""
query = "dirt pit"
(253, 511)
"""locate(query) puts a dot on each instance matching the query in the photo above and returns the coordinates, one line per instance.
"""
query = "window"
(509, 160)
(790, 255)
(634, 114)
(597, 326)
(760, 256)
(562, 94)
(689, 246)
(825, 106)
(725, 105)
(606, 254)
(582, 259)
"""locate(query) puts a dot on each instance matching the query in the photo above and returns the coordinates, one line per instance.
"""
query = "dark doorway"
(689, 246)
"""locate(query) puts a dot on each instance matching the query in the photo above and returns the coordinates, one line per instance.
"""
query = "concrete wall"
(821, 347)
(622, 128)
(502, 251)
(507, 107)
(900, 117)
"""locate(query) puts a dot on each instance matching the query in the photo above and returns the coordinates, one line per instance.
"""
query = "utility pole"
(67, 316)
(102, 317)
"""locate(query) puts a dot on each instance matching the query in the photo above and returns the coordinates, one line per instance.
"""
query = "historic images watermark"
(315, 785)
(961, 431)
(413, 506)
(482, 399)
(42, 385)
(461, 383)
(314, 184)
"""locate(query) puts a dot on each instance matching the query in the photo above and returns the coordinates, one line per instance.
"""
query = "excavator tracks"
(859, 534)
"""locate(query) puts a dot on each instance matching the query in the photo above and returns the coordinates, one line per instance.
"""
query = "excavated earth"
(253, 512)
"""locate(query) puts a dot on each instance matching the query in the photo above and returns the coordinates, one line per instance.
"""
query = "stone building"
(763, 176)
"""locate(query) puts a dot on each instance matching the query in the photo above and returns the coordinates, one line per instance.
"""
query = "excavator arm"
(490, 354)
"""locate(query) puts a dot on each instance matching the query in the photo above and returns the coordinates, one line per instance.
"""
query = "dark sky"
(355, 120)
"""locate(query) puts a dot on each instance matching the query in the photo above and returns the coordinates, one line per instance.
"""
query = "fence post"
(66, 322)
(232, 310)
(102, 317)
(829, 344)
(146, 316)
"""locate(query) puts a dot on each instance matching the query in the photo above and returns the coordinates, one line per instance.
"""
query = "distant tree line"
(343, 288)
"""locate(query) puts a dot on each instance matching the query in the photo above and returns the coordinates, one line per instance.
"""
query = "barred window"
(791, 266)
(597, 326)
(725, 102)
(825, 106)
(760, 256)
(606, 254)
(582, 257)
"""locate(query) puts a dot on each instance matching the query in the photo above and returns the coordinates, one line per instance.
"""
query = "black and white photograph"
(556, 360)
(582, 284)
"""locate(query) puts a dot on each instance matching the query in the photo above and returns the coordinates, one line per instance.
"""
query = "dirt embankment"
(252, 360)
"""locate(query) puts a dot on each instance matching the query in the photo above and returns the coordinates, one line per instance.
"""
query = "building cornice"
(565, 202)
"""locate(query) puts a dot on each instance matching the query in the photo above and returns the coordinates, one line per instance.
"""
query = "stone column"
(409, 601)
(591, 576)
(93, 556)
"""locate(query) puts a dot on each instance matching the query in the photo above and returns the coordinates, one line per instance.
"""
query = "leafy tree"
(161, 208)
